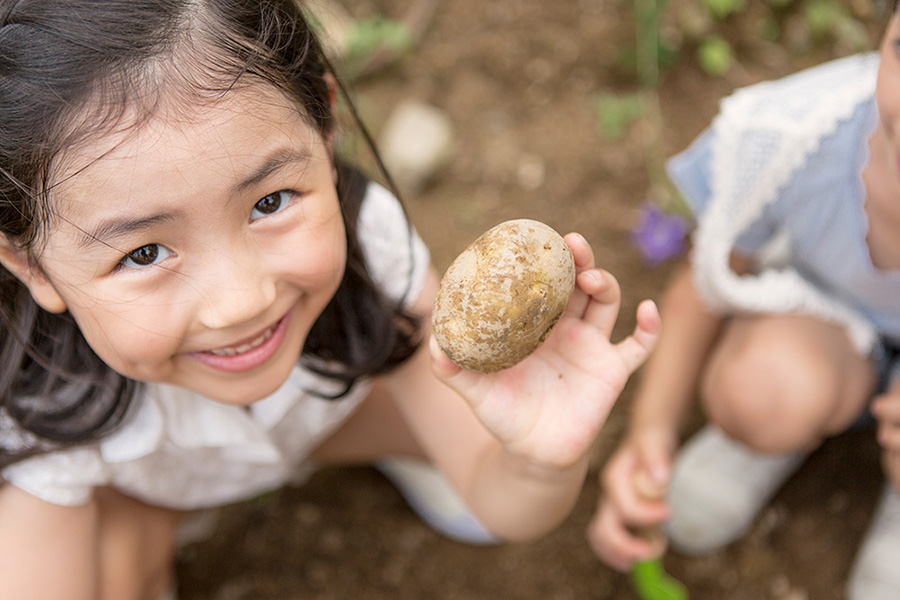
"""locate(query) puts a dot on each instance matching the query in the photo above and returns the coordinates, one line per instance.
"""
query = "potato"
(501, 297)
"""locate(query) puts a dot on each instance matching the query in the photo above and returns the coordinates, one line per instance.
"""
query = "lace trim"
(762, 138)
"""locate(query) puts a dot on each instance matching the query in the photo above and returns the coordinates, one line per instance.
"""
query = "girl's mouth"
(249, 354)
(246, 347)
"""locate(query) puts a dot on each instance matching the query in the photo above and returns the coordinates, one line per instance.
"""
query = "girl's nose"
(234, 295)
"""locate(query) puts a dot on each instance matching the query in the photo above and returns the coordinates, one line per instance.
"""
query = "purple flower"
(659, 235)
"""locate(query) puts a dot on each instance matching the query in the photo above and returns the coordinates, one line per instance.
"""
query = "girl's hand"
(548, 409)
(886, 409)
(890, 462)
(632, 502)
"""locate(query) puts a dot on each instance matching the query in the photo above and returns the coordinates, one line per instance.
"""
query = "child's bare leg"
(774, 388)
(113, 548)
(136, 547)
(375, 431)
(784, 383)
(377, 434)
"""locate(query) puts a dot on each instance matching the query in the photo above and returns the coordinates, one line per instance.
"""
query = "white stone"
(416, 142)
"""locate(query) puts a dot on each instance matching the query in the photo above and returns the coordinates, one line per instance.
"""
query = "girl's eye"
(145, 256)
(270, 204)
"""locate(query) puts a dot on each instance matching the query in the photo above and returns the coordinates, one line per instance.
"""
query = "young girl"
(200, 302)
(787, 321)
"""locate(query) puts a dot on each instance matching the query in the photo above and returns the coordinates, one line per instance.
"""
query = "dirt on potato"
(500, 298)
(519, 79)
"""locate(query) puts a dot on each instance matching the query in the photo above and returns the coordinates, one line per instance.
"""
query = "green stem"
(648, 16)
(647, 19)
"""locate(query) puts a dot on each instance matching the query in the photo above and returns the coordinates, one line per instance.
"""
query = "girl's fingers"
(440, 362)
(887, 408)
(584, 259)
(618, 483)
(603, 299)
(581, 251)
(635, 349)
(613, 542)
(889, 436)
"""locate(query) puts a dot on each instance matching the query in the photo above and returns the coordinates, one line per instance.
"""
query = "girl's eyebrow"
(106, 231)
(277, 160)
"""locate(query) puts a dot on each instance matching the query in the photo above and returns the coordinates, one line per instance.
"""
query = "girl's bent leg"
(136, 547)
(377, 434)
(112, 548)
(774, 388)
(375, 431)
(785, 383)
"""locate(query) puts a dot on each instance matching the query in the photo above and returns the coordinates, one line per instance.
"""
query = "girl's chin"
(240, 393)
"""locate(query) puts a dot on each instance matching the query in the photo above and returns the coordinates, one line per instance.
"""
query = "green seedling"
(651, 582)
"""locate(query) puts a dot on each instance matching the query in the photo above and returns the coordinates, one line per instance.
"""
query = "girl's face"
(198, 252)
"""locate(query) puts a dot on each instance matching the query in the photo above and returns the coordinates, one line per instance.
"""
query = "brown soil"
(518, 78)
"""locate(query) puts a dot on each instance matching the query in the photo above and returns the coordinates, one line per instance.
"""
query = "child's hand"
(549, 408)
(886, 409)
(632, 503)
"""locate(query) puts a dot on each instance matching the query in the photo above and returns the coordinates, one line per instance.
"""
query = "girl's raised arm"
(517, 447)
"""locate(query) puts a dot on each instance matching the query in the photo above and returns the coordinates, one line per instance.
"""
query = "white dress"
(181, 450)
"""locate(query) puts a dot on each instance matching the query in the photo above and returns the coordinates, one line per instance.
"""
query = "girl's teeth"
(235, 350)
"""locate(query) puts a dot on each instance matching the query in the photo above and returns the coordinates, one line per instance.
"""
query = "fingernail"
(434, 347)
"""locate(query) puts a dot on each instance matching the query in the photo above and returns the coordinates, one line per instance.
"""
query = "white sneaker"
(718, 488)
(431, 495)
(876, 573)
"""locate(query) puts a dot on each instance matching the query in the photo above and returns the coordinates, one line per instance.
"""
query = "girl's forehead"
(177, 141)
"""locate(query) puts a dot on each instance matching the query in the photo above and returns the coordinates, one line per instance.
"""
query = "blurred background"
(560, 111)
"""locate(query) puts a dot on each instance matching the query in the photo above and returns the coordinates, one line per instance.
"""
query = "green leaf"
(723, 8)
(715, 55)
(823, 15)
(374, 33)
(616, 113)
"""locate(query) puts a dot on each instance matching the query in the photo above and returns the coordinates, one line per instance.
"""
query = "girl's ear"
(42, 290)
(333, 89)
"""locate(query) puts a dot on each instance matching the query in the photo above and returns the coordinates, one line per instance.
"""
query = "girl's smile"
(199, 251)
(248, 354)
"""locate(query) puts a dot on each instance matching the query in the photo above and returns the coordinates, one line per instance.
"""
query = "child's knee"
(770, 399)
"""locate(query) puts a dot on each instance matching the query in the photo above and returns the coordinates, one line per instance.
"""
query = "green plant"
(615, 113)
(374, 34)
(715, 55)
(723, 8)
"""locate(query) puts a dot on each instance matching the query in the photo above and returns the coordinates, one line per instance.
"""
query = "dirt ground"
(518, 79)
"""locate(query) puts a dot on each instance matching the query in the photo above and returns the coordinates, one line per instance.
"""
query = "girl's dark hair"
(74, 69)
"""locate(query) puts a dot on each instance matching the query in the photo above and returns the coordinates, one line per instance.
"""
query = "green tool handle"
(651, 582)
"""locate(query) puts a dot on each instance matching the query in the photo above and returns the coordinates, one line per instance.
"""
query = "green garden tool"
(651, 582)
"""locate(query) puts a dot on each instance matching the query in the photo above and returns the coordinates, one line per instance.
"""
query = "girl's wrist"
(545, 472)
(655, 431)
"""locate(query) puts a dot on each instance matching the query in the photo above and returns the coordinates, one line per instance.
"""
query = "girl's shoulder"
(765, 132)
(816, 97)
(396, 256)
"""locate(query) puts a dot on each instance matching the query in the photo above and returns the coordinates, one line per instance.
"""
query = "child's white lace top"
(181, 450)
(782, 164)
